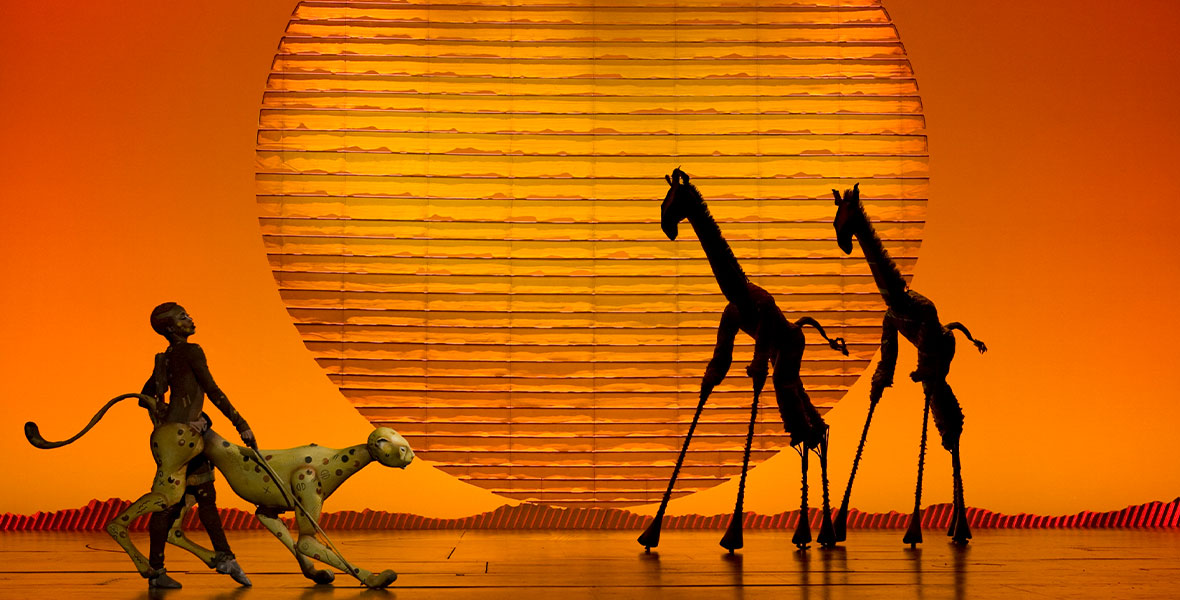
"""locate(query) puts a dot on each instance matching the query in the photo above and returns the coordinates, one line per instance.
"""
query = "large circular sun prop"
(461, 208)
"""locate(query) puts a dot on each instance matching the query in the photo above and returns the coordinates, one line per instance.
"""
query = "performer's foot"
(162, 581)
(229, 566)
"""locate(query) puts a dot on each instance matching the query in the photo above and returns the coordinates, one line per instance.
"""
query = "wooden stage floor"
(565, 565)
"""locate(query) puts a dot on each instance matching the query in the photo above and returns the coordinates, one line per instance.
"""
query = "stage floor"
(565, 565)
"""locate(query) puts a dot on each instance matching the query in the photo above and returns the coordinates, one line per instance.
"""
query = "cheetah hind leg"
(177, 537)
(118, 528)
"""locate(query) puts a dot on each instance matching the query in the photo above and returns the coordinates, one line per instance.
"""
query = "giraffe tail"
(33, 433)
(836, 344)
(979, 345)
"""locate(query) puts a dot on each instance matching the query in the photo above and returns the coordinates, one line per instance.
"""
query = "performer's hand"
(757, 372)
(248, 439)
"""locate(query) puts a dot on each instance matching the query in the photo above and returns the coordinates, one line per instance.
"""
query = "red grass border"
(94, 516)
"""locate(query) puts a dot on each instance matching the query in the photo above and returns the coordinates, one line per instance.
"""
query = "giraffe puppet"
(916, 318)
(777, 342)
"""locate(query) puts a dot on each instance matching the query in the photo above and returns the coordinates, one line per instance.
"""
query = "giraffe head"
(681, 200)
(849, 217)
(389, 448)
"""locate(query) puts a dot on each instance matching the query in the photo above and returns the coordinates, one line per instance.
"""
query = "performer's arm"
(723, 350)
(883, 377)
(201, 370)
(156, 386)
(760, 365)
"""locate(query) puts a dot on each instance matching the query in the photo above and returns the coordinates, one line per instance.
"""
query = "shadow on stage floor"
(563, 565)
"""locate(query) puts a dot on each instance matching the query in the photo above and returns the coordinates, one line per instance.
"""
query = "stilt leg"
(841, 523)
(827, 533)
(650, 538)
(732, 540)
(913, 535)
(802, 535)
(960, 530)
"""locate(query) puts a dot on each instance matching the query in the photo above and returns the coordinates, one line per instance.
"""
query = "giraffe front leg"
(277, 527)
(309, 492)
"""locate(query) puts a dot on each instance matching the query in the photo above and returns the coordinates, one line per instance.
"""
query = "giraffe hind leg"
(913, 534)
(802, 535)
(827, 531)
(960, 529)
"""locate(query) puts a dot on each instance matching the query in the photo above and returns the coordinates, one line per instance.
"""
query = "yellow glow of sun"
(461, 207)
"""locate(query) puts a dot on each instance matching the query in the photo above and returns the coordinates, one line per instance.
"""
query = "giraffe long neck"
(885, 272)
(726, 270)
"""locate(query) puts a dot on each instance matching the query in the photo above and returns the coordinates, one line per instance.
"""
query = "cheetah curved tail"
(33, 433)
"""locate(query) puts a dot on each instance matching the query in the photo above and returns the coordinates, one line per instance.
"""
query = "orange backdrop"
(127, 179)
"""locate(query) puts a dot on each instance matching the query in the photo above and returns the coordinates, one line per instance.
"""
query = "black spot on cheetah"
(224, 444)
(344, 459)
(126, 518)
(178, 534)
(191, 444)
(179, 432)
(351, 451)
(307, 459)
(339, 472)
(245, 458)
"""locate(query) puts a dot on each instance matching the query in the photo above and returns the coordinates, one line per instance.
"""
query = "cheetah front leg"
(309, 492)
(271, 521)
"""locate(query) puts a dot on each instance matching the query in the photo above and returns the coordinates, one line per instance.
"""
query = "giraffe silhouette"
(777, 342)
(916, 318)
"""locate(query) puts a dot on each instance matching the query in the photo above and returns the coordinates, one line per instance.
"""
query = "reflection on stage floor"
(523, 565)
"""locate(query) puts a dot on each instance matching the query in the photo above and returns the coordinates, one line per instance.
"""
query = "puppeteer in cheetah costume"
(276, 481)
